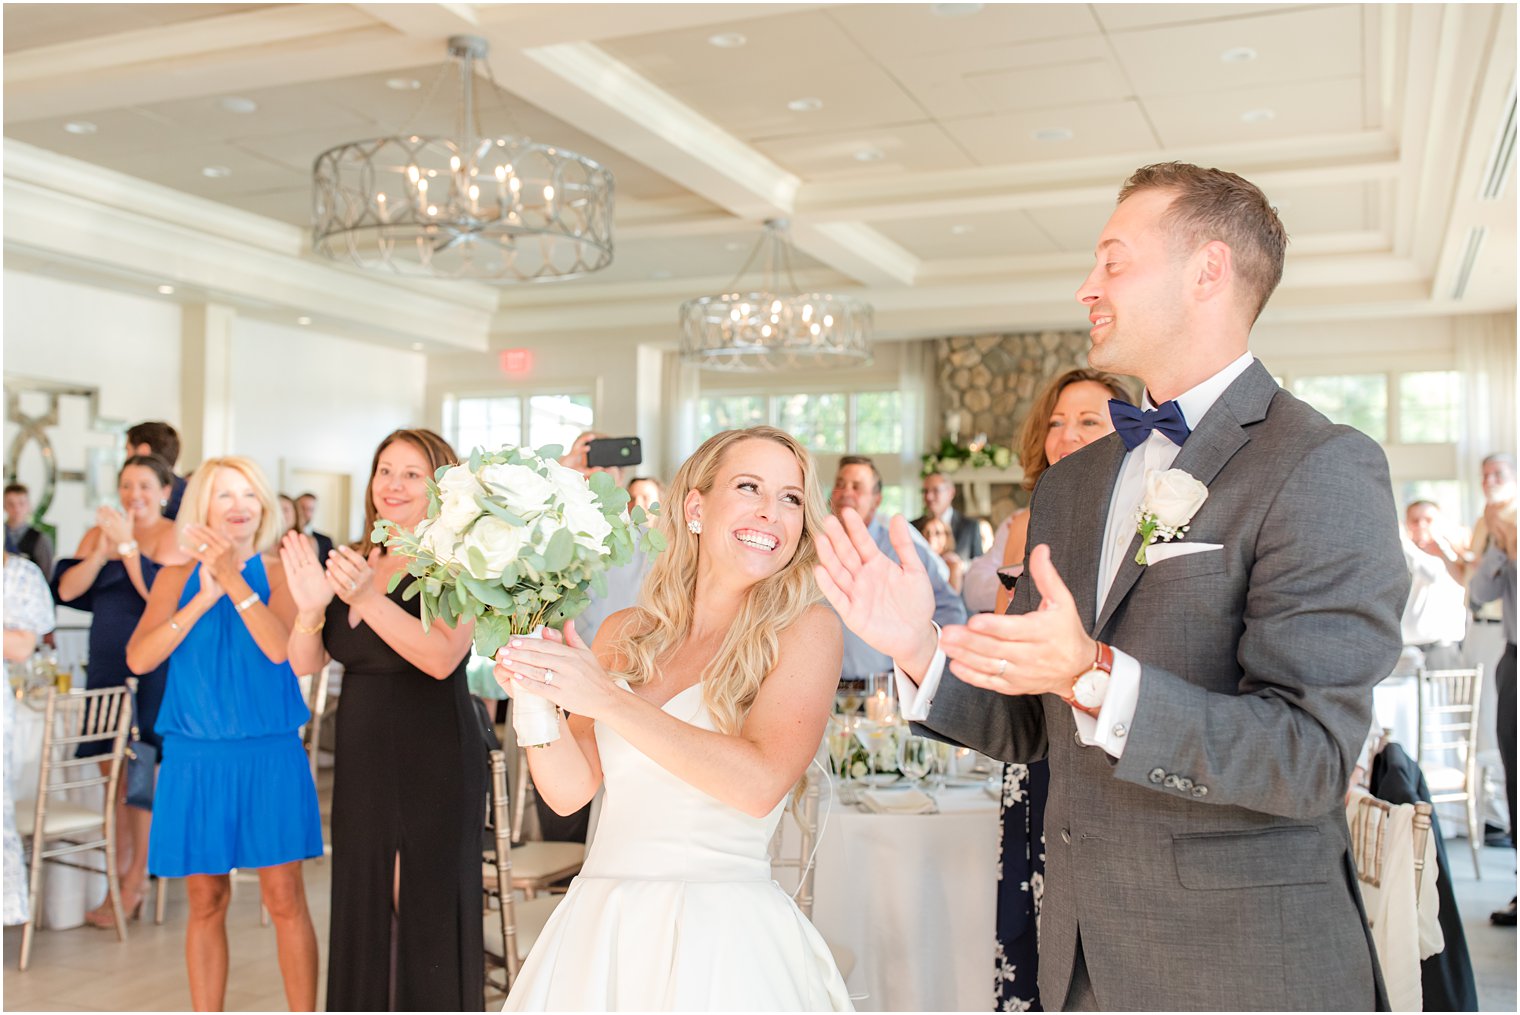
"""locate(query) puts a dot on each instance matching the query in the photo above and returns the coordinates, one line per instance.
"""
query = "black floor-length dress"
(409, 777)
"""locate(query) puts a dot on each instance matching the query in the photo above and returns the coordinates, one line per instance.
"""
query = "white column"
(206, 383)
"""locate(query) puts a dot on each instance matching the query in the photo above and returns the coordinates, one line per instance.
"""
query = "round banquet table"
(914, 898)
(67, 893)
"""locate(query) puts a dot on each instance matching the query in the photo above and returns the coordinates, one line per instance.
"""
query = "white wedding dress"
(675, 908)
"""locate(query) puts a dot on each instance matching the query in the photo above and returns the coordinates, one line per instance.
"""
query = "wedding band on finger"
(202, 548)
(548, 676)
(353, 586)
(1002, 667)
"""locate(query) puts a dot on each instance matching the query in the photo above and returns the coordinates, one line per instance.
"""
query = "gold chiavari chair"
(51, 824)
(1447, 743)
(1369, 843)
(536, 866)
(802, 811)
(513, 926)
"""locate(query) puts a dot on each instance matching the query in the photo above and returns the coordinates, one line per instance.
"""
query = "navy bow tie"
(1135, 426)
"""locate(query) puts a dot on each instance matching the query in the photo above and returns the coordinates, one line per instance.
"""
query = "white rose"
(589, 526)
(1173, 496)
(439, 540)
(497, 542)
(457, 491)
(524, 489)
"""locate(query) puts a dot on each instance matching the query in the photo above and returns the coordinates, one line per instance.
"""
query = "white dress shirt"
(1110, 727)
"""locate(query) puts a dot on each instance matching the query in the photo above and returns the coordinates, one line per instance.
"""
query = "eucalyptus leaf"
(477, 559)
(412, 590)
(395, 579)
(497, 508)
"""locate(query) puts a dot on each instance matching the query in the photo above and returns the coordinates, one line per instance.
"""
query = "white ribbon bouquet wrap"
(516, 542)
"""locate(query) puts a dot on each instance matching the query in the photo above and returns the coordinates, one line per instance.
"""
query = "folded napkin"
(897, 801)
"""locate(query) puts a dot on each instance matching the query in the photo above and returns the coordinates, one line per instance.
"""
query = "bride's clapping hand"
(304, 574)
(559, 667)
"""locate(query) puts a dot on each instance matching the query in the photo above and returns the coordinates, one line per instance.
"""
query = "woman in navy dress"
(1071, 412)
(110, 576)
(235, 789)
(409, 787)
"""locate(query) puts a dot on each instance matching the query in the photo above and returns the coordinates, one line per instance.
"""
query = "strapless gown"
(675, 908)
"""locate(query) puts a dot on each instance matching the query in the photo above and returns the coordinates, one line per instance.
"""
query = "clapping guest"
(235, 789)
(409, 790)
(940, 539)
(159, 438)
(1435, 615)
(110, 576)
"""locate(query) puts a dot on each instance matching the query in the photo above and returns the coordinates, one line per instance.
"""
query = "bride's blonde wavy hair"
(663, 617)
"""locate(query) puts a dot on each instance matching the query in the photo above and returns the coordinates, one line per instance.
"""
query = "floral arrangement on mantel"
(978, 454)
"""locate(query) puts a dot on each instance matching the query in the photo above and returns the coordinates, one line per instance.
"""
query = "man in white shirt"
(939, 497)
(1435, 617)
(1201, 698)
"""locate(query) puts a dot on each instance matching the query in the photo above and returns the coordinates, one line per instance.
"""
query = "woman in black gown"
(410, 772)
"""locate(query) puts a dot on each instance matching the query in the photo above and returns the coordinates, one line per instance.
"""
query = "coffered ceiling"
(951, 162)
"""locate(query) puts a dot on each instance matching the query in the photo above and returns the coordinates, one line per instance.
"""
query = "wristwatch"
(1091, 687)
(127, 549)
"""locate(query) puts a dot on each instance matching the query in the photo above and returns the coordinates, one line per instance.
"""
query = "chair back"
(1448, 719)
(82, 717)
(317, 703)
(501, 827)
(1370, 824)
(802, 813)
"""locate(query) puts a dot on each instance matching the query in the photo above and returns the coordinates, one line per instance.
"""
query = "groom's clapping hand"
(1041, 652)
(889, 605)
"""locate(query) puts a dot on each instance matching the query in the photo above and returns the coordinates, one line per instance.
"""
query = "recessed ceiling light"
(403, 84)
(1239, 54)
(955, 10)
(1053, 134)
(726, 40)
(417, 347)
(962, 229)
(303, 320)
(166, 290)
(80, 127)
(1257, 116)
(215, 172)
(807, 105)
(238, 104)
(869, 155)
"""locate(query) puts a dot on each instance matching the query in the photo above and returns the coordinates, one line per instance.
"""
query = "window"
(1447, 493)
(878, 423)
(1359, 400)
(818, 421)
(496, 421)
(734, 412)
(1428, 406)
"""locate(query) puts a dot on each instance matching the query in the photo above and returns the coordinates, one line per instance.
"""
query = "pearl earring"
(694, 526)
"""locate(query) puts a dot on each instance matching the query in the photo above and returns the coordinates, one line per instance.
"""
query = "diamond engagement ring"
(201, 548)
(1002, 667)
(353, 586)
(548, 676)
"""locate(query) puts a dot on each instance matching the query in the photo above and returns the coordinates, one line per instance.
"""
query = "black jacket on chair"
(1446, 978)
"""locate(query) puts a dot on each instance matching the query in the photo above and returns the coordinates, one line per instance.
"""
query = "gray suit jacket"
(1210, 866)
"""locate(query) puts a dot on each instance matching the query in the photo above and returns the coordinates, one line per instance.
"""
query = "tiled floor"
(87, 970)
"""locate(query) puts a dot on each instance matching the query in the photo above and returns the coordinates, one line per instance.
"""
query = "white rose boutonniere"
(1172, 498)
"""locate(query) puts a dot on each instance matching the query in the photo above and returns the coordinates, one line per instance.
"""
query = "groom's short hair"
(1211, 204)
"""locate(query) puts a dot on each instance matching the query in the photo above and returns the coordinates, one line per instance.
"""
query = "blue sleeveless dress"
(235, 788)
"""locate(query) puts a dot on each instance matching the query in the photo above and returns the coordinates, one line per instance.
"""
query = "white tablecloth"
(914, 897)
(67, 893)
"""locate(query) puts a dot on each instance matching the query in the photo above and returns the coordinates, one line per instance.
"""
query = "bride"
(700, 709)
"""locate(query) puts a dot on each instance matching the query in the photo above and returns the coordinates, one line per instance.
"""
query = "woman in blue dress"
(110, 576)
(235, 789)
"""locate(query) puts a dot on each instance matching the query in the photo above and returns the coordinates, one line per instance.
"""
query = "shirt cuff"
(1110, 728)
(915, 700)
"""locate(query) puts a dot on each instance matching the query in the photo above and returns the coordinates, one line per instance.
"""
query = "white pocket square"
(1157, 552)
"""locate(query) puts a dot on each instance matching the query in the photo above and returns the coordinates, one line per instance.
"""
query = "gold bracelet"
(310, 630)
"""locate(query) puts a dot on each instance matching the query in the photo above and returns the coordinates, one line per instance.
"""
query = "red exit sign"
(516, 362)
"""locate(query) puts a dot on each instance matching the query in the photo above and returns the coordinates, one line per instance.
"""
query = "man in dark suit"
(306, 511)
(939, 494)
(1202, 698)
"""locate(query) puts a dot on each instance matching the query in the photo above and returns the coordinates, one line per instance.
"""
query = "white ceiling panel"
(913, 148)
(1119, 17)
(775, 46)
(755, 105)
(892, 32)
(1290, 45)
(117, 132)
(1074, 229)
(278, 110)
(1298, 110)
(1100, 129)
(1059, 72)
(990, 234)
(1329, 208)
(49, 24)
(657, 259)
(181, 169)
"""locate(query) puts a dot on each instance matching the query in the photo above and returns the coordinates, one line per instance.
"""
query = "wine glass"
(840, 738)
(876, 737)
(850, 695)
(915, 759)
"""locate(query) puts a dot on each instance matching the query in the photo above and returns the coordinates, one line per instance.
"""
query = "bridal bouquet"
(516, 542)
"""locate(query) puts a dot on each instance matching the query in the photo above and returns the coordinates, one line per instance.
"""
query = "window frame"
(449, 410)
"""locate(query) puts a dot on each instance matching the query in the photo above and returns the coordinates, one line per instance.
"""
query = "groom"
(1202, 712)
